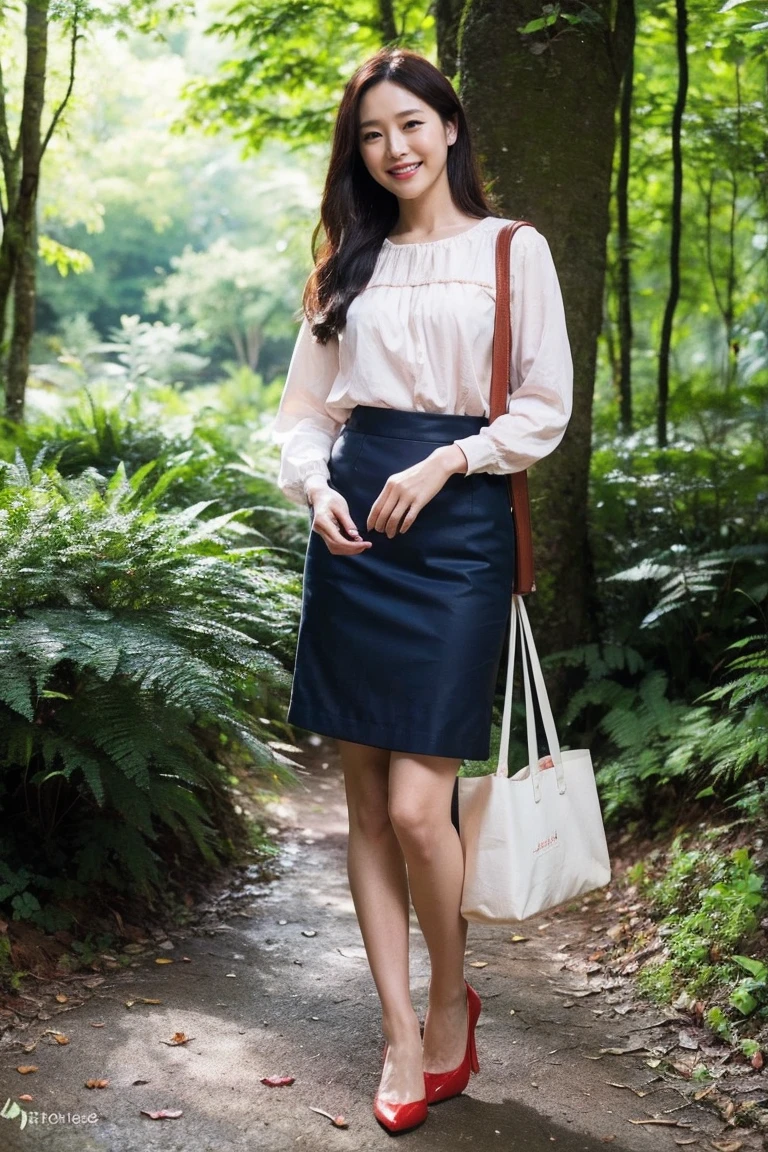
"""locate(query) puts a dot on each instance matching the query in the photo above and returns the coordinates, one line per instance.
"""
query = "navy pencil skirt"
(399, 646)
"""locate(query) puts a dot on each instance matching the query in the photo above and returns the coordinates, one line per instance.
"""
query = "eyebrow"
(406, 112)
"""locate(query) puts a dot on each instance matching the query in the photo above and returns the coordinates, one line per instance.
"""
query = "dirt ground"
(273, 981)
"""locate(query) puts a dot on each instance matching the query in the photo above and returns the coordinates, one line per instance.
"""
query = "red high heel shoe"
(399, 1117)
(443, 1085)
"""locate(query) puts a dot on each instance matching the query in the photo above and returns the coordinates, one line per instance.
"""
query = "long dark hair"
(356, 212)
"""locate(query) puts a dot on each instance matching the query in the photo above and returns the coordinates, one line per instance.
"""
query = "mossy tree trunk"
(543, 109)
(448, 15)
(21, 163)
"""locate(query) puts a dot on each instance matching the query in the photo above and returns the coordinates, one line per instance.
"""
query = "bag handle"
(501, 386)
(528, 648)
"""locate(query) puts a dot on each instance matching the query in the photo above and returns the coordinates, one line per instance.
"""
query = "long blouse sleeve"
(541, 370)
(303, 426)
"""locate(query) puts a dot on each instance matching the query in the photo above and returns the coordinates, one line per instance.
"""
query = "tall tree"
(624, 240)
(541, 93)
(681, 11)
(22, 159)
(21, 175)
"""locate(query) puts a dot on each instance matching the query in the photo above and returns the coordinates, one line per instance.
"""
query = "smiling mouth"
(402, 171)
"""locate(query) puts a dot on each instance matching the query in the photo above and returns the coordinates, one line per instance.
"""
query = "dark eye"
(367, 135)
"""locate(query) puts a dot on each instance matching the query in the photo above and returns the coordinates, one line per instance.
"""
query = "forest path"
(258, 997)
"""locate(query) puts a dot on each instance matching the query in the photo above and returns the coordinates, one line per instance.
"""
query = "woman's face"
(396, 130)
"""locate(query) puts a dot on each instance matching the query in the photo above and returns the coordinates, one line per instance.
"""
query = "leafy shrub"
(709, 905)
(138, 652)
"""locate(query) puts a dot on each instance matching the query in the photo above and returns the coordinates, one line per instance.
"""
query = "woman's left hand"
(405, 493)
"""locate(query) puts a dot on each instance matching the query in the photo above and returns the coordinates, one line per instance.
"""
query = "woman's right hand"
(331, 519)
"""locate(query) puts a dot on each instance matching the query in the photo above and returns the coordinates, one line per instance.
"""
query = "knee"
(368, 815)
(415, 829)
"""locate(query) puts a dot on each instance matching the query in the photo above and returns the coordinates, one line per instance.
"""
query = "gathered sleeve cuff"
(303, 426)
(541, 400)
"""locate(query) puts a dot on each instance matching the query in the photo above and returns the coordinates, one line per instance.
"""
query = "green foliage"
(751, 992)
(191, 447)
(679, 554)
(709, 905)
(287, 61)
(9, 977)
(229, 294)
(551, 13)
(137, 646)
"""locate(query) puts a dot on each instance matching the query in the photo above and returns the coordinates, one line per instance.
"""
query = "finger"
(385, 510)
(349, 547)
(393, 524)
(409, 517)
(336, 513)
(375, 519)
(336, 542)
(348, 524)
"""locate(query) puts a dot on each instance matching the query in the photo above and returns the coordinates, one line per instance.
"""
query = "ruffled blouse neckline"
(442, 240)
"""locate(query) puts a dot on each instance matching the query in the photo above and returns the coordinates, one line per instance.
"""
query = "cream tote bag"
(535, 839)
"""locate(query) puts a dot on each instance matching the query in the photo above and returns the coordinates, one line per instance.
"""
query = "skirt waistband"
(438, 426)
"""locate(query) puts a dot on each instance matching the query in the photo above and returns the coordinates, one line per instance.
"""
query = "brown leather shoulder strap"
(502, 336)
(501, 384)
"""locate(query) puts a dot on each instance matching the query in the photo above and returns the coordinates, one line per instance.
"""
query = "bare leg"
(379, 886)
(420, 792)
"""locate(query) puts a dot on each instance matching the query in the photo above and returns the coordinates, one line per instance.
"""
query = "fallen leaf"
(277, 1081)
(337, 1121)
(61, 997)
(308, 932)
(139, 1082)
(757, 1060)
(727, 1145)
(517, 939)
(666, 1123)
(162, 960)
(141, 1000)
(478, 963)
(637, 1091)
(685, 1040)
(163, 1114)
(59, 1037)
(24, 1068)
(96, 1083)
(622, 1051)
(93, 1025)
(26, 1098)
(178, 1038)
(686, 1140)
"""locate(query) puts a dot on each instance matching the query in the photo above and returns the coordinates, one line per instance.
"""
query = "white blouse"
(419, 338)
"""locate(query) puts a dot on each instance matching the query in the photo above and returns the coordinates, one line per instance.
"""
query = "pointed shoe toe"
(400, 1117)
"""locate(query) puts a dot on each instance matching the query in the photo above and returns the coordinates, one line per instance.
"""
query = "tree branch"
(6, 153)
(72, 62)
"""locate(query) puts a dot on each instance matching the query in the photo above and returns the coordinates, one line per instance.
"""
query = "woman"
(408, 574)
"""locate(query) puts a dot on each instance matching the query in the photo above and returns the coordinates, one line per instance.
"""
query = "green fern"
(128, 633)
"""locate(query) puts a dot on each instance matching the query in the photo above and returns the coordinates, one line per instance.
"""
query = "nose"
(396, 149)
